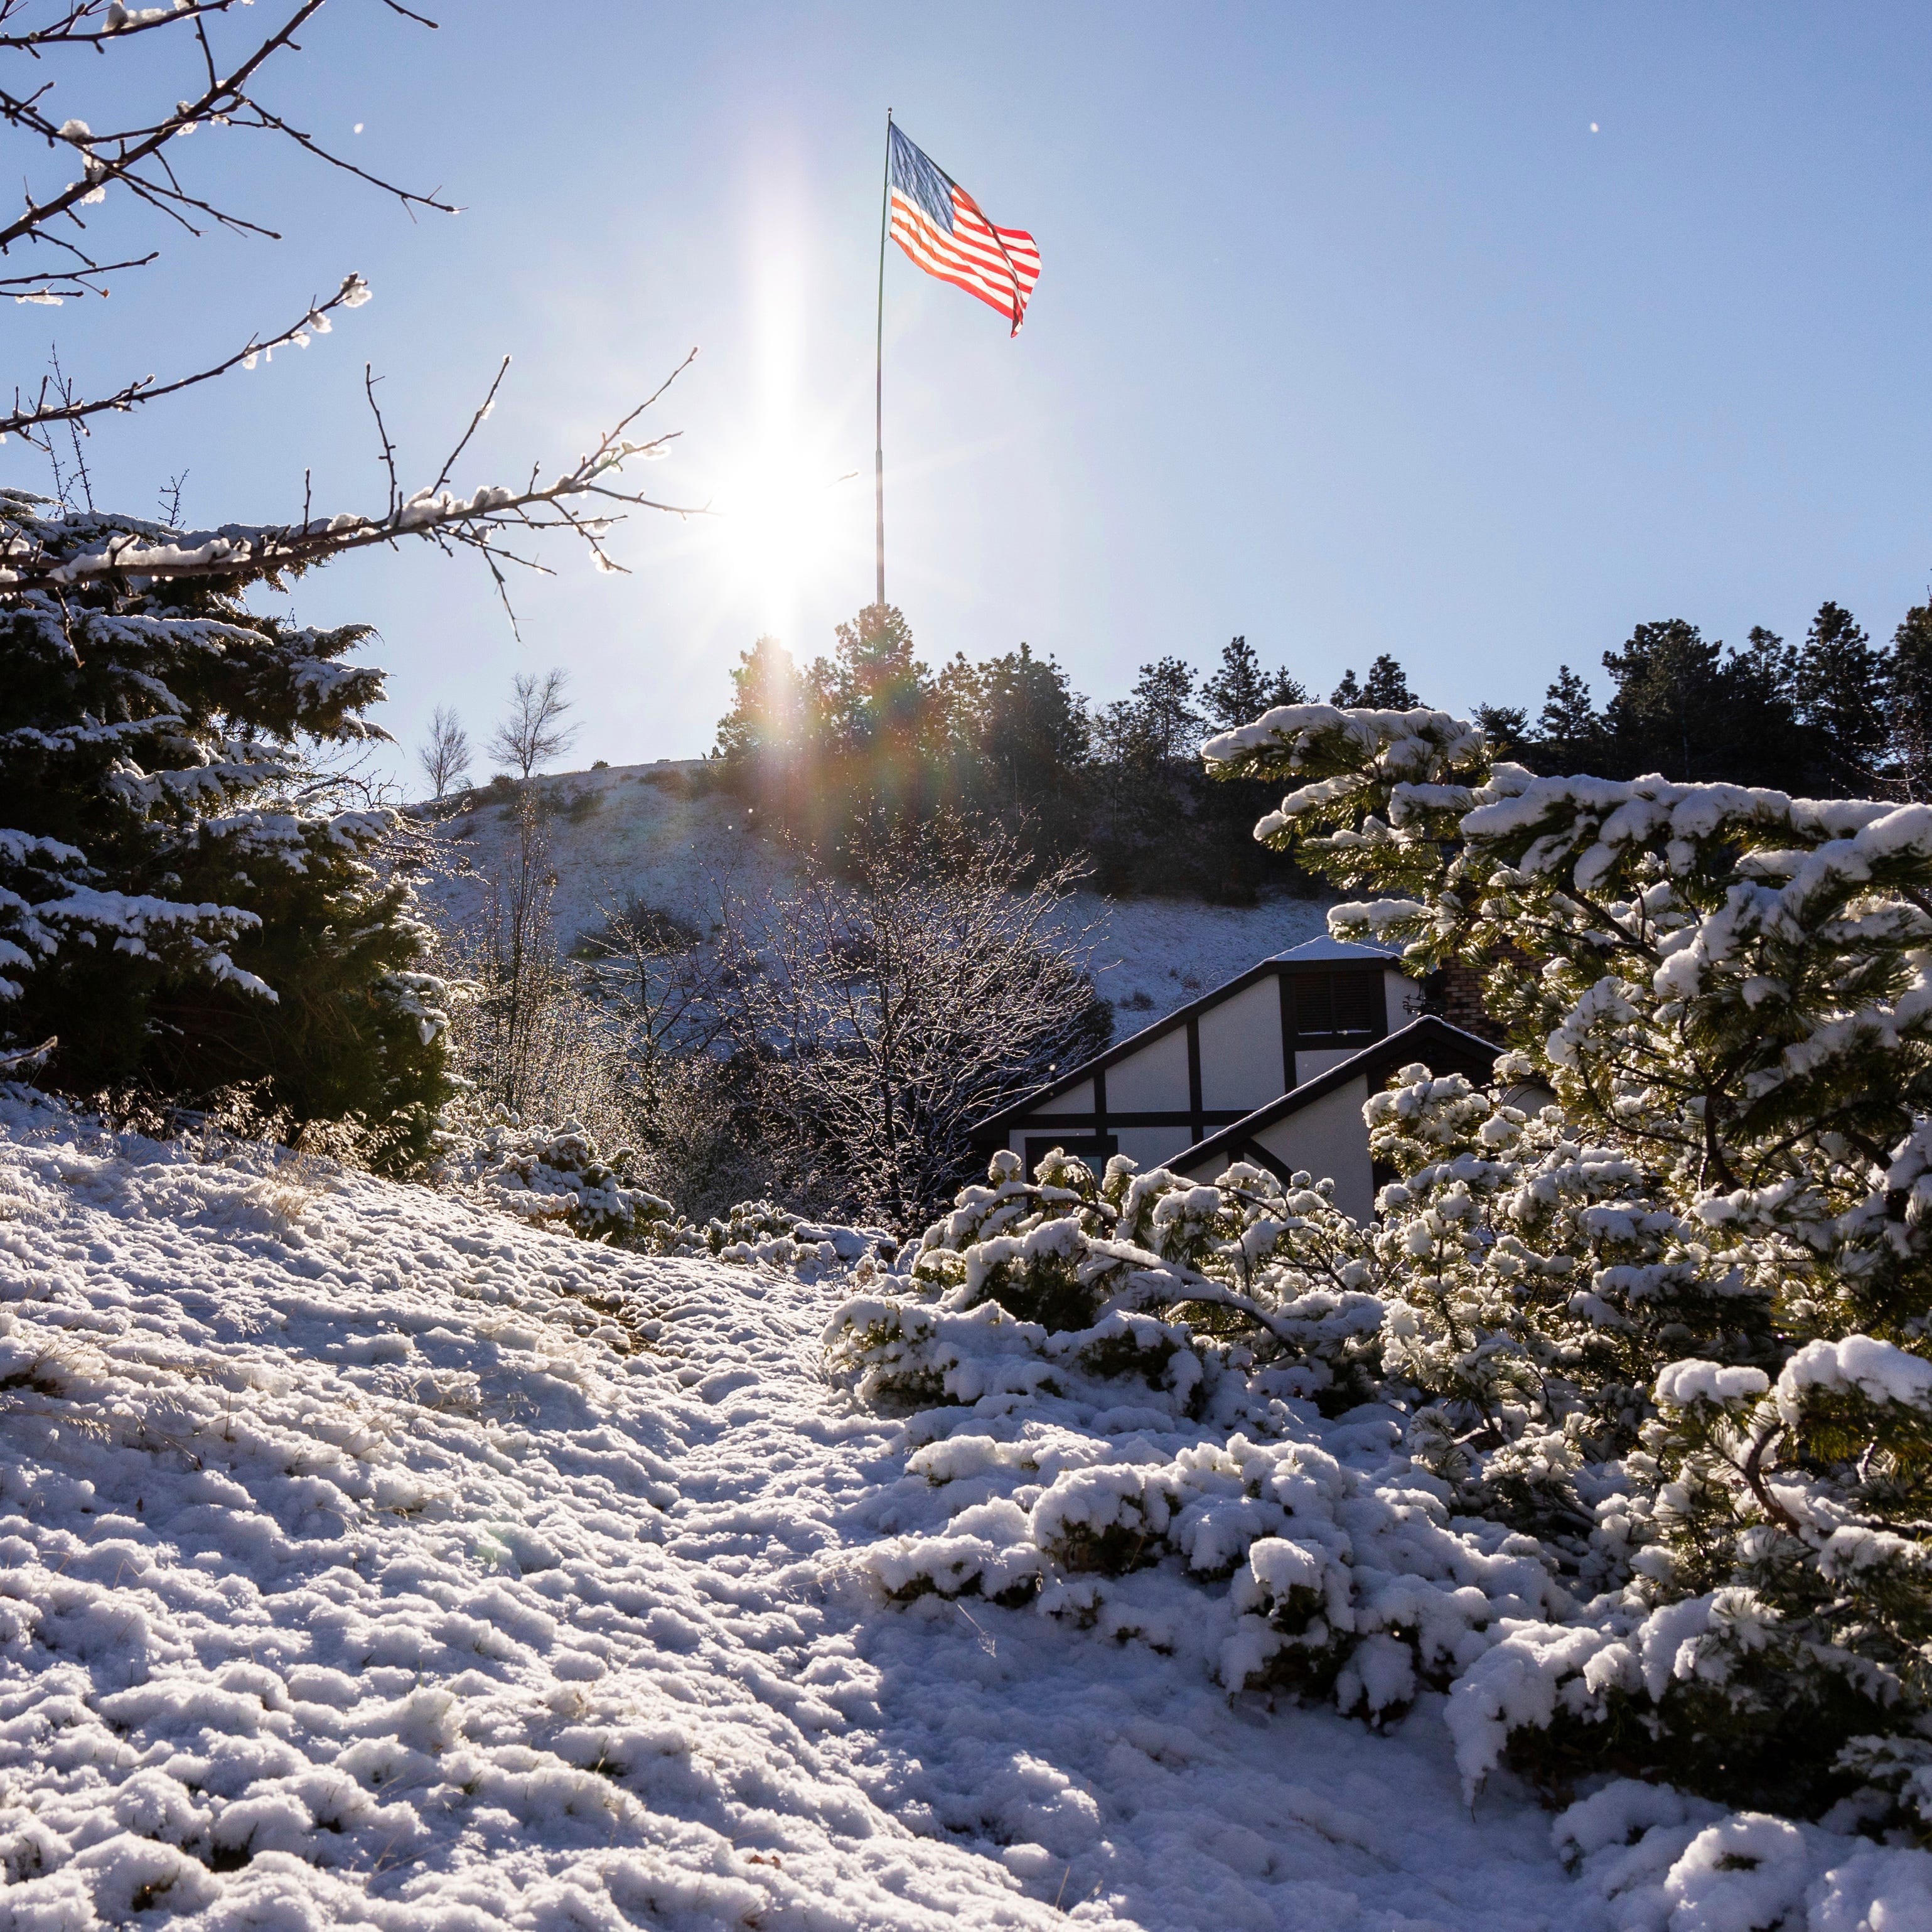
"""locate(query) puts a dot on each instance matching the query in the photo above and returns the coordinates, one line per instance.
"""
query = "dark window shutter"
(1312, 1003)
(1354, 995)
(1336, 1005)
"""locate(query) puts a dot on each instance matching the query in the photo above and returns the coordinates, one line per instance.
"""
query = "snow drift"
(368, 1559)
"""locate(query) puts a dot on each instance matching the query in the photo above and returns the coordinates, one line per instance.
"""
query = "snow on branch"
(55, 553)
(55, 401)
(137, 158)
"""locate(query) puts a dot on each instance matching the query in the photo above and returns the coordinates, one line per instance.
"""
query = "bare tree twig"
(28, 417)
(40, 553)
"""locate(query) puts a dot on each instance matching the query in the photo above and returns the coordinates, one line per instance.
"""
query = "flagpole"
(879, 367)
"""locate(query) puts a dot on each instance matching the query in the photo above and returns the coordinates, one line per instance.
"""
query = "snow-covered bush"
(1171, 1374)
(185, 902)
(1692, 1305)
(1618, 1422)
(558, 1176)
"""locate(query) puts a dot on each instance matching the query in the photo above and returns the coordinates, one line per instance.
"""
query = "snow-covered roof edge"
(1476, 1056)
(1326, 947)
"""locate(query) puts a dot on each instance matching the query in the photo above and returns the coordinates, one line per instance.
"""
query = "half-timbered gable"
(1318, 1126)
(1215, 1061)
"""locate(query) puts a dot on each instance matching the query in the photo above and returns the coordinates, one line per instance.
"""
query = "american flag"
(940, 226)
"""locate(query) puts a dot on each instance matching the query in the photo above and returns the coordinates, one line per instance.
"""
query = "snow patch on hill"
(630, 832)
(366, 1558)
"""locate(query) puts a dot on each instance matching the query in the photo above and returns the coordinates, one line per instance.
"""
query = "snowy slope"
(629, 838)
(367, 1559)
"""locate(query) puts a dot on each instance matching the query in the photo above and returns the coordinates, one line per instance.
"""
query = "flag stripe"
(998, 291)
(964, 252)
(981, 272)
(942, 228)
(1004, 269)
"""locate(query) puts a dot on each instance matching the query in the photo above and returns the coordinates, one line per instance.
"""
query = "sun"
(786, 524)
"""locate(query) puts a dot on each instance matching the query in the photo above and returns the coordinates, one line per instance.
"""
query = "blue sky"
(1351, 335)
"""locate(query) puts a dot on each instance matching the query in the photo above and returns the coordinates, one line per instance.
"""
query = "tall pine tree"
(1840, 682)
(1910, 709)
(1240, 690)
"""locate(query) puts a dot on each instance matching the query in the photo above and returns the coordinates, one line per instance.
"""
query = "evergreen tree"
(1910, 710)
(1240, 690)
(873, 692)
(1664, 714)
(1031, 728)
(1570, 731)
(1506, 727)
(177, 905)
(1682, 708)
(767, 718)
(1158, 722)
(1840, 685)
(1349, 693)
(1688, 1310)
(1386, 687)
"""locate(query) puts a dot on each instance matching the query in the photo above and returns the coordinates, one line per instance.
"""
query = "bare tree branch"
(55, 404)
(42, 553)
(137, 157)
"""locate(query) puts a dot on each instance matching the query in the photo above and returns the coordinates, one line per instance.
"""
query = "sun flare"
(783, 520)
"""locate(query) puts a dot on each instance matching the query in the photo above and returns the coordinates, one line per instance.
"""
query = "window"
(1337, 1005)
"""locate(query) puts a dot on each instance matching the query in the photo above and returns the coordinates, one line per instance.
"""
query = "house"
(1318, 1126)
(1214, 1066)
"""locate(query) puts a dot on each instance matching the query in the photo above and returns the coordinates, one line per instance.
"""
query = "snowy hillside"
(367, 1559)
(618, 835)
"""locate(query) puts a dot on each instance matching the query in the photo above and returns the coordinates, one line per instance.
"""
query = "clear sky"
(1475, 334)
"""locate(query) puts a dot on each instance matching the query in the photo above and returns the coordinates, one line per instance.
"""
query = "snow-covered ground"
(368, 1559)
(618, 836)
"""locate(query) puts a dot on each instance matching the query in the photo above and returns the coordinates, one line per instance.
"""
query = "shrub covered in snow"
(558, 1177)
(185, 900)
(1618, 1420)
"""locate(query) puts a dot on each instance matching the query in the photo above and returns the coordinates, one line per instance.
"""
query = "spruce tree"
(1910, 710)
(1240, 690)
(1387, 688)
(1840, 685)
(183, 902)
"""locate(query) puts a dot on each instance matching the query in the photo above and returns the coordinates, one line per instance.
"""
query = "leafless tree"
(896, 1005)
(534, 733)
(693, 1119)
(653, 967)
(50, 48)
(618, 1037)
(444, 754)
(516, 1043)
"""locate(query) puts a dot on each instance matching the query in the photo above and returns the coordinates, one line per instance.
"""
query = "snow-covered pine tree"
(182, 904)
(1711, 1271)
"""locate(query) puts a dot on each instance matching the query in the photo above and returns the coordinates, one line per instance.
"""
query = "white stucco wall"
(1076, 1100)
(1329, 1138)
(1399, 990)
(1152, 1146)
(1310, 1061)
(1241, 1049)
(1154, 1080)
